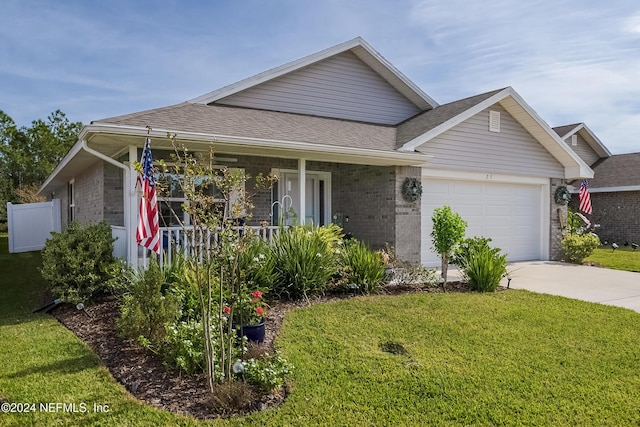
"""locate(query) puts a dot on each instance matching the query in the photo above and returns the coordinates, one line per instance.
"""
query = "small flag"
(148, 232)
(585, 198)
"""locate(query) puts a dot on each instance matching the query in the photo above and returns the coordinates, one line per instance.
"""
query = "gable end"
(341, 86)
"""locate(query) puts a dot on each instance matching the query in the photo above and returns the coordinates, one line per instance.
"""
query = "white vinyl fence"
(31, 224)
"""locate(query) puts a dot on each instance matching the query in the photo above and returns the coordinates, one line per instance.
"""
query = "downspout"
(125, 191)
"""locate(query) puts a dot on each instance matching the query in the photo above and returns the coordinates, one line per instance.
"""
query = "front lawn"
(623, 258)
(506, 358)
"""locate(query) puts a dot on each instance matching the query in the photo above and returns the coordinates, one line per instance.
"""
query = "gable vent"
(494, 121)
(574, 140)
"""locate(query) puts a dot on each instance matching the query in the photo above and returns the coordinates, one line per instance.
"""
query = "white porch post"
(302, 188)
(131, 217)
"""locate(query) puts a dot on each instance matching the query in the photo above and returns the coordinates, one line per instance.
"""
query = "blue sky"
(571, 60)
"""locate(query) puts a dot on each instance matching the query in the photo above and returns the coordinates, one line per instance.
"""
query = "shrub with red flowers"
(248, 308)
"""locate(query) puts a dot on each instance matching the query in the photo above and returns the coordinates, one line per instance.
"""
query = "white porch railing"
(179, 240)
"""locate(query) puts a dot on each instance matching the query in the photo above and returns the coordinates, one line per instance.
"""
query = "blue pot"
(254, 333)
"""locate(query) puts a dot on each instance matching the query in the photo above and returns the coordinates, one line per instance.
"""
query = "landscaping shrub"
(266, 373)
(304, 260)
(362, 269)
(579, 246)
(256, 265)
(149, 307)
(484, 266)
(468, 246)
(79, 264)
(407, 273)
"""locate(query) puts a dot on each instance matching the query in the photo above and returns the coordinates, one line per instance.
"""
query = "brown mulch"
(144, 375)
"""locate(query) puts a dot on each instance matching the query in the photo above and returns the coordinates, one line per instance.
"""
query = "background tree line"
(29, 154)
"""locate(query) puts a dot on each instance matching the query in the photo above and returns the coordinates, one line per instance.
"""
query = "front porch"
(365, 200)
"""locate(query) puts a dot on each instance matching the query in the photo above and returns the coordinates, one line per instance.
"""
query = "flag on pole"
(148, 232)
(585, 198)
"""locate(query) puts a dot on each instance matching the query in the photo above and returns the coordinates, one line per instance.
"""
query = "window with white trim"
(171, 200)
(574, 140)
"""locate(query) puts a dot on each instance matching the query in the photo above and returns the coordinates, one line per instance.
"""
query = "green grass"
(621, 259)
(508, 358)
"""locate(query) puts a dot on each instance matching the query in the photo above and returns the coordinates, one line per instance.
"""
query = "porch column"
(131, 217)
(302, 189)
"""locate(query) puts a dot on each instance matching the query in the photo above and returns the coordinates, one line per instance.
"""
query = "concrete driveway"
(593, 284)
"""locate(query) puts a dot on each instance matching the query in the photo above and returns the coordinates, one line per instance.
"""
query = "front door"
(317, 210)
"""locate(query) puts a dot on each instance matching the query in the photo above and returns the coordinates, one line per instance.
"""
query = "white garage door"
(507, 213)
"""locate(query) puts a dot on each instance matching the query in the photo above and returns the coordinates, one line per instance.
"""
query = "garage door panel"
(509, 214)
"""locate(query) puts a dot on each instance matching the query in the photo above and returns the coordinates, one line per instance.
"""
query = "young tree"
(216, 243)
(448, 231)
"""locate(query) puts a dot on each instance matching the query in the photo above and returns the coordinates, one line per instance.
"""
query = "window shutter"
(494, 121)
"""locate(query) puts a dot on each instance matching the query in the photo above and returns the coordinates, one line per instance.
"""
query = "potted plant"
(249, 311)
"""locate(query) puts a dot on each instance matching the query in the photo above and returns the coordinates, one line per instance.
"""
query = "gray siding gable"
(584, 150)
(341, 86)
(470, 146)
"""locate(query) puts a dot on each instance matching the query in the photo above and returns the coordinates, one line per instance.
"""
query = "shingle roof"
(619, 170)
(428, 120)
(563, 130)
(261, 124)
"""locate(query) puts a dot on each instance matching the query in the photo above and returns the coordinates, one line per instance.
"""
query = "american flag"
(148, 232)
(585, 197)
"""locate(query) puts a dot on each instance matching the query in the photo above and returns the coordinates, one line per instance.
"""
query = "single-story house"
(344, 130)
(614, 189)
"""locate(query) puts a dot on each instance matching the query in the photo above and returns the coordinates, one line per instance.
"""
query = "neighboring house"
(615, 187)
(615, 196)
(344, 130)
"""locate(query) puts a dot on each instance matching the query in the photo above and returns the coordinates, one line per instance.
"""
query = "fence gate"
(31, 224)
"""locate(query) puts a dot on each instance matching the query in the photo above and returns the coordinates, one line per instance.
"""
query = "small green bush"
(363, 269)
(184, 348)
(483, 267)
(468, 246)
(79, 264)
(255, 264)
(304, 261)
(409, 273)
(149, 307)
(577, 247)
(267, 373)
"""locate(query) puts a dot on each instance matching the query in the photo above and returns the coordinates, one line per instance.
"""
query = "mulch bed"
(143, 374)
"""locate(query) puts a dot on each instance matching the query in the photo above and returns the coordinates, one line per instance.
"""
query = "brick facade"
(618, 215)
(113, 209)
(408, 218)
(89, 194)
(558, 222)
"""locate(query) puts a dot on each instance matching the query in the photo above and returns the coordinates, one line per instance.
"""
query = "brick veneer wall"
(558, 222)
(366, 195)
(89, 194)
(408, 221)
(618, 214)
(113, 206)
